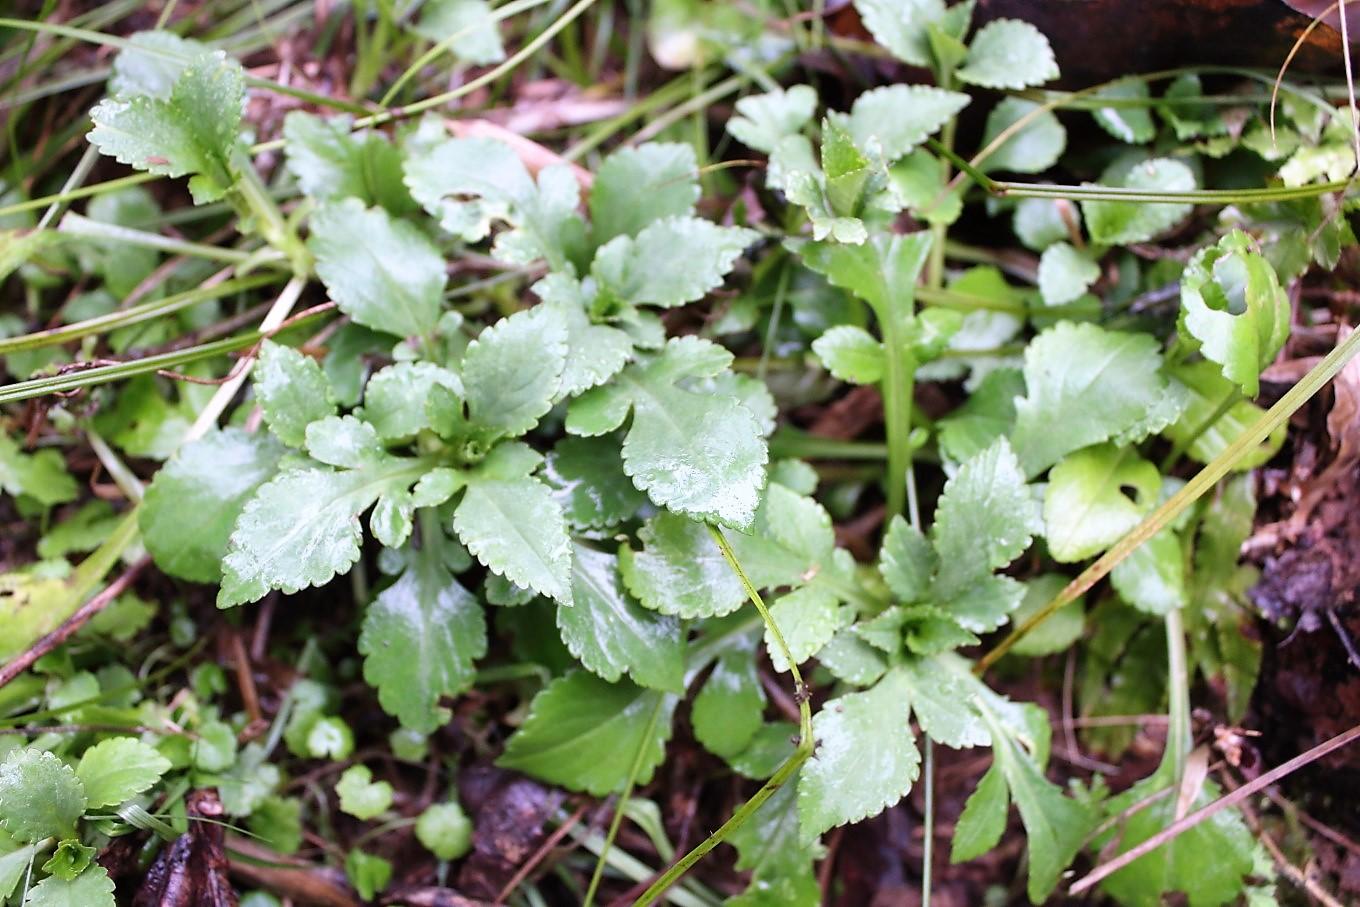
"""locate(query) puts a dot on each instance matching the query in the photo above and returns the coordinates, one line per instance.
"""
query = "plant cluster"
(569, 461)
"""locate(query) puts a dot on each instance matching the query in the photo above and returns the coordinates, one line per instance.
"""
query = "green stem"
(617, 819)
(898, 386)
(1204, 480)
(785, 771)
(1178, 737)
(73, 224)
(135, 315)
(809, 447)
(1196, 196)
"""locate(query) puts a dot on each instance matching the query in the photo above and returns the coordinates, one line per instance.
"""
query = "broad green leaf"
(987, 414)
(117, 769)
(1190, 116)
(41, 476)
(984, 604)
(983, 820)
(516, 529)
(331, 161)
(588, 482)
(292, 390)
(851, 354)
(1055, 826)
(1062, 628)
(986, 517)
(469, 183)
(586, 734)
(865, 761)
(468, 28)
(302, 528)
(1034, 148)
(941, 690)
(1121, 223)
(1065, 274)
(635, 187)
(360, 795)
(908, 561)
(122, 266)
(611, 634)
(901, 26)
(368, 873)
(1008, 53)
(1133, 125)
(40, 796)
(382, 272)
(195, 132)
(395, 397)
(881, 271)
(92, 888)
(595, 352)
(1094, 497)
(420, 639)
(445, 831)
(728, 709)
(1040, 222)
(698, 454)
(1233, 304)
(278, 820)
(512, 371)
(769, 845)
(1207, 862)
(1085, 385)
(1152, 578)
(921, 181)
(901, 117)
(14, 866)
(851, 659)
(151, 63)
(764, 120)
(807, 618)
(1205, 429)
(680, 570)
(672, 261)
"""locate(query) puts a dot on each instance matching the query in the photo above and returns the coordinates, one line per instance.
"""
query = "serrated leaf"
(670, 262)
(1039, 222)
(1233, 304)
(195, 132)
(983, 820)
(727, 710)
(302, 528)
(41, 476)
(1034, 148)
(512, 371)
(901, 117)
(851, 354)
(635, 187)
(908, 561)
(420, 639)
(695, 453)
(1008, 53)
(851, 659)
(150, 64)
(1205, 429)
(117, 769)
(586, 475)
(331, 161)
(586, 734)
(1055, 826)
(469, 28)
(807, 618)
(987, 414)
(1065, 274)
(865, 761)
(92, 888)
(986, 517)
(40, 796)
(681, 570)
(1094, 497)
(611, 634)
(292, 390)
(595, 352)
(1085, 385)
(764, 120)
(1131, 124)
(901, 26)
(382, 272)
(1121, 223)
(360, 795)
(941, 690)
(515, 528)
(395, 397)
